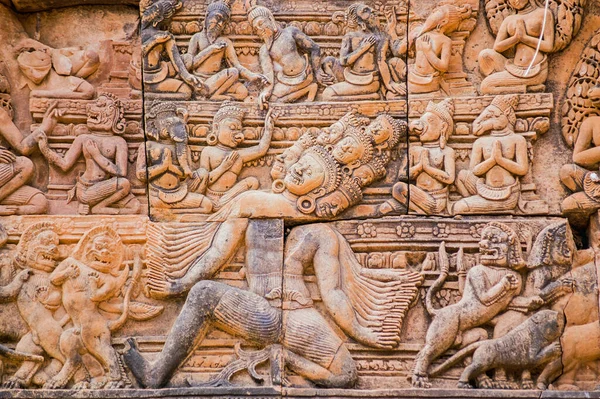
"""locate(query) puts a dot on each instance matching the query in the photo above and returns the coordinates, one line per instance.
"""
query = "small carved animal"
(532, 344)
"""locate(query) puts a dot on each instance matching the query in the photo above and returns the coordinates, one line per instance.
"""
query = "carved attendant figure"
(433, 48)
(16, 171)
(164, 161)
(290, 60)
(582, 177)
(431, 164)
(224, 161)
(208, 52)
(364, 57)
(522, 33)
(103, 188)
(497, 162)
(159, 77)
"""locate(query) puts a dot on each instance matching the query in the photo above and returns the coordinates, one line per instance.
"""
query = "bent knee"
(24, 165)
(124, 184)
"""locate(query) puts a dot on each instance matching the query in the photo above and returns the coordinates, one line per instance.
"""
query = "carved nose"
(415, 127)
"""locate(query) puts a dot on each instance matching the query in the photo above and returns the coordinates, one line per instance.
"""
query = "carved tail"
(458, 356)
(137, 271)
(444, 263)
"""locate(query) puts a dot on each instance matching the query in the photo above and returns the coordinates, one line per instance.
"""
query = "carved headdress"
(84, 246)
(228, 109)
(220, 6)
(162, 107)
(444, 110)
(365, 140)
(256, 11)
(156, 11)
(515, 254)
(507, 104)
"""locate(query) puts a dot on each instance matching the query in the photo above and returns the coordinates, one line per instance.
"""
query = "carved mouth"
(295, 178)
(488, 253)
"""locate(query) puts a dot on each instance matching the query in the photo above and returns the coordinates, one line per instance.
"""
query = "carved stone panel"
(268, 199)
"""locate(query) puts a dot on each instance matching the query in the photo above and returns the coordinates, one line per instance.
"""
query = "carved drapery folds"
(233, 197)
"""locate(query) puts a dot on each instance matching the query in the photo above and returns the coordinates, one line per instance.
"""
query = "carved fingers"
(390, 16)
(51, 117)
(7, 156)
(25, 274)
(73, 271)
(510, 282)
(230, 159)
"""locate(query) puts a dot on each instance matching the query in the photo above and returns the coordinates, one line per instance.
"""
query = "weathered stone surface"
(295, 199)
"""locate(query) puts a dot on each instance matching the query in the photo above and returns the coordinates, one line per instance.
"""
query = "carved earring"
(306, 204)
(278, 186)
(211, 139)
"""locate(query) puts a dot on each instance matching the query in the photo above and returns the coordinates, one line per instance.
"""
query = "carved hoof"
(464, 385)
(528, 384)
(541, 386)
(420, 381)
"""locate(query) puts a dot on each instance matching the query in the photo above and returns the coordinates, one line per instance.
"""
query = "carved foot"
(82, 385)
(98, 382)
(485, 382)
(55, 383)
(420, 381)
(164, 289)
(15, 383)
(246, 360)
(527, 384)
(115, 384)
(464, 385)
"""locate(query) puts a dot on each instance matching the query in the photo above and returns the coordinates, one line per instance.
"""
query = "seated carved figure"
(489, 289)
(289, 59)
(364, 59)
(433, 48)
(103, 188)
(224, 161)
(491, 184)
(15, 171)
(164, 162)
(431, 164)
(37, 300)
(209, 54)
(162, 62)
(582, 177)
(521, 33)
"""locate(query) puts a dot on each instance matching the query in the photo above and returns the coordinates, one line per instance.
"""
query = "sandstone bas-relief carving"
(226, 179)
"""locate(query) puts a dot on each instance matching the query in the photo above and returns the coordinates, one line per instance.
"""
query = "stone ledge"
(270, 392)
